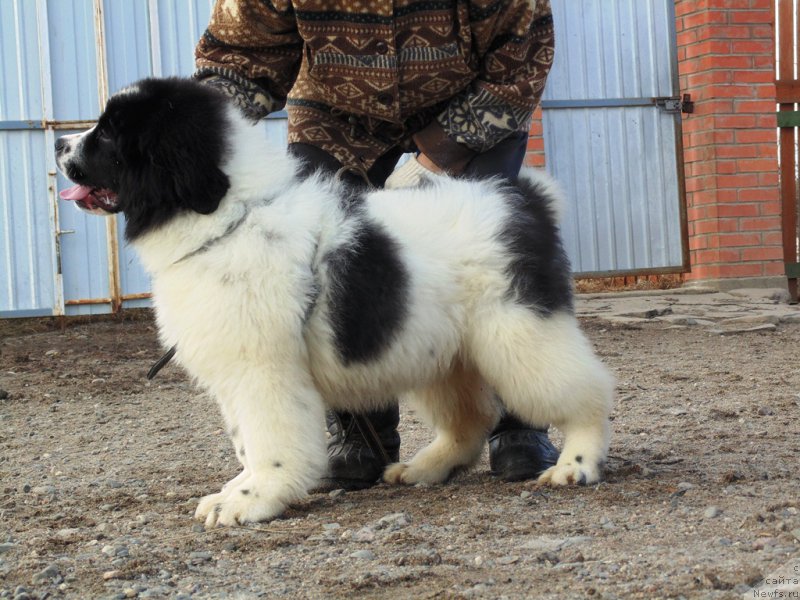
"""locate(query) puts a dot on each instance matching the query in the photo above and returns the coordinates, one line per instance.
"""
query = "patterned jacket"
(357, 77)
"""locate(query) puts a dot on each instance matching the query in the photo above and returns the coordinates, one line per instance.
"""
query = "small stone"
(394, 521)
(26, 488)
(108, 550)
(7, 547)
(765, 411)
(525, 494)
(764, 542)
(796, 534)
(200, 556)
(507, 560)
(49, 573)
(331, 526)
(4, 395)
(363, 554)
(478, 561)
(68, 532)
(365, 534)
(197, 528)
(113, 484)
(712, 512)
(336, 493)
(130, 593)
(44, 490)
(684, 486)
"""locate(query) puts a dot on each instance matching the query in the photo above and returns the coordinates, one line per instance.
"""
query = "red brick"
(738, 210)
(741, 4)
(760, 76)
(769, 179)
(756, 194)
(757, 165)
(751, 16)
(749, 137)
(762, 254)
(716, 226)
(729, 240)
(741, 270)
(769, 208)
(754, 106)
(743, 151)
(774, 268)
(737, 181)
(765, 224)
(752, 47)
(723, 32)
(736, 122)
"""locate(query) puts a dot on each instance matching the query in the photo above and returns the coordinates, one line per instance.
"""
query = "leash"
(162, 362)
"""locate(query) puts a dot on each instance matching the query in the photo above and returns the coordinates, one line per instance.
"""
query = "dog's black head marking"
(158, 146)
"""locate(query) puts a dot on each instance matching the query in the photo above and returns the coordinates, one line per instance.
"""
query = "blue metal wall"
(60, 60)
(615, 152)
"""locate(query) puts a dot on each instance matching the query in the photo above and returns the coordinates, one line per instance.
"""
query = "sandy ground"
(100, 472)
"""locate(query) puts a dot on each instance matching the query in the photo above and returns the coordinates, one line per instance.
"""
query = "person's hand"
(412, 173)
(246, 96)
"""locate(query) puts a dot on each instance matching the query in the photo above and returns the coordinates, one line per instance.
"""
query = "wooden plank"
(786, 32)
(788, 158)
(787, 91)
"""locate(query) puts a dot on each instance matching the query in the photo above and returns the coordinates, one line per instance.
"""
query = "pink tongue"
(76, 192)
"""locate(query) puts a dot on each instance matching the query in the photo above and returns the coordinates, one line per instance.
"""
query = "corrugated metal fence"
(608, 138)
(612, 125)
(59, 61)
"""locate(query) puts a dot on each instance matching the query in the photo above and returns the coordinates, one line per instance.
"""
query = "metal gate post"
(112, 241)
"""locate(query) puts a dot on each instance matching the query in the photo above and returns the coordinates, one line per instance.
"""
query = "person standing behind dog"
(363, 82)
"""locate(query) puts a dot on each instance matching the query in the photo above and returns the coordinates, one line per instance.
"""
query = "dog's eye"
(102, 134)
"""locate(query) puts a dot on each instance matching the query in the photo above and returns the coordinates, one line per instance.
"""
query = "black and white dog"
(286, 295)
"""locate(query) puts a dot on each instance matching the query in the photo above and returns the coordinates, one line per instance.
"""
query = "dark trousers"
(504, 160)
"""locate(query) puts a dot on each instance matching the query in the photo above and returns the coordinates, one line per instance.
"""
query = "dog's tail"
(537, 183)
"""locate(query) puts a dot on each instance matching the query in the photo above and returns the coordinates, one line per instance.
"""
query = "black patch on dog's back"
(369, 293)
(540, 272)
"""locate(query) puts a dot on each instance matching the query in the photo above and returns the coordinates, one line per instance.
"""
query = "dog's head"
(155, 152)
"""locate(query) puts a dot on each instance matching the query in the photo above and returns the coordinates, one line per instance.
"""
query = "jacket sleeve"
(515, 60)
(251, 51)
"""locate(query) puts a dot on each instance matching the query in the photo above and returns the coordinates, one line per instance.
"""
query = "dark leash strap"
(371, 437)
(162, 362)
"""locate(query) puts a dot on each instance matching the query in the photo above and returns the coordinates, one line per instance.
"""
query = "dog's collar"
(207, 245)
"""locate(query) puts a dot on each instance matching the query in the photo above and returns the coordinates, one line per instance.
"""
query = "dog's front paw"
(238, 505)
(208, 504)
(570, 474)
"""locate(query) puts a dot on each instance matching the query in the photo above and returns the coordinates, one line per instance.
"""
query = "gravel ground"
(100, 472)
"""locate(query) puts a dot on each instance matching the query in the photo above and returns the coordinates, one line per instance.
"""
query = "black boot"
(517, 452)
(360, 447)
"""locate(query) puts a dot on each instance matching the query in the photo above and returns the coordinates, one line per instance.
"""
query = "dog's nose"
(61, 145)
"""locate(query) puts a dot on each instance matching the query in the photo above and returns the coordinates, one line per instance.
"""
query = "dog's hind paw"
(411, 474)
(570, 474)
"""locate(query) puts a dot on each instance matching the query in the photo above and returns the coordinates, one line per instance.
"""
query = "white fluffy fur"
(236, 312)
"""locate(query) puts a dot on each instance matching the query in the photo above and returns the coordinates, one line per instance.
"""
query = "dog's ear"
(200, 186)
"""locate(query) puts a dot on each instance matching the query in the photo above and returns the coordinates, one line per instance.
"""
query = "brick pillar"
(534, 156)
(726, 62)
